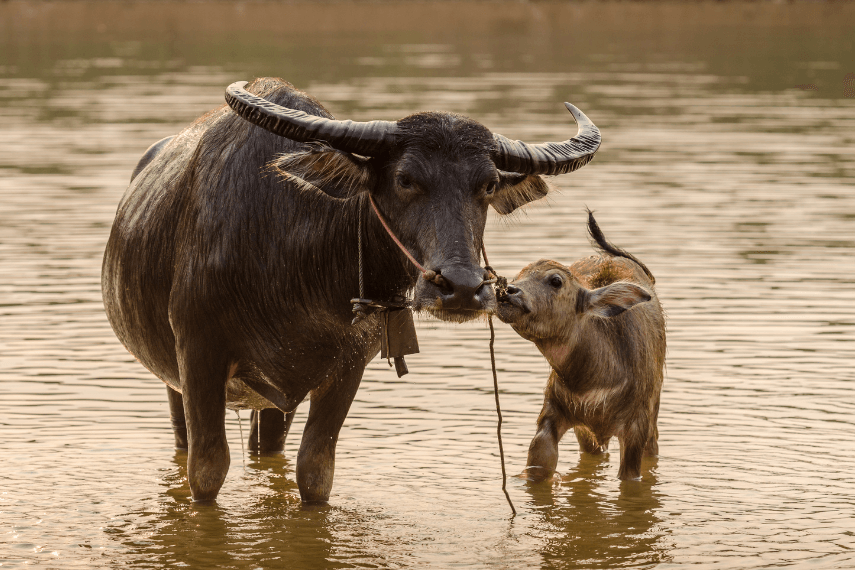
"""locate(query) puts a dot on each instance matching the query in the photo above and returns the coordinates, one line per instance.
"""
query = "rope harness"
(361, 304)
(362, 307)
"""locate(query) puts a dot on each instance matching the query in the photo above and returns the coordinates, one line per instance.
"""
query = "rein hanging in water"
(398, 337)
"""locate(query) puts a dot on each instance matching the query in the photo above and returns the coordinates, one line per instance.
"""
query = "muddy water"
(731, 183)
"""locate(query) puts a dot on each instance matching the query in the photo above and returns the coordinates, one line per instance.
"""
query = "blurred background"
(727, 167)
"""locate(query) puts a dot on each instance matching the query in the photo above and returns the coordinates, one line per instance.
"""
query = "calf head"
(433, 177)
(545, 302)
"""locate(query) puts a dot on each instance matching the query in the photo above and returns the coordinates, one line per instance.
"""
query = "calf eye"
(556, 281)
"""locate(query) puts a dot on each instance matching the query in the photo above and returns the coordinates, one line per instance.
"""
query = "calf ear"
(335, 173)
(515, 190)
(611, 300)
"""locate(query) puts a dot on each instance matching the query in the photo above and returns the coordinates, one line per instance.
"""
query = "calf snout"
(517, 297)
(513, 305)
(510, 291)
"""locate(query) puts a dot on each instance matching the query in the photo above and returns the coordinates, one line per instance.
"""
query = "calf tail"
(603, 245)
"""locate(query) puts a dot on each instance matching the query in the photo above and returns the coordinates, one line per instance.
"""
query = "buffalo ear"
(611, 300)
(321, 168)
(515, 190)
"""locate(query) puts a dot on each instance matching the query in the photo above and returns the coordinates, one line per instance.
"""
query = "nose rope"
(427, 274)
(394, 237)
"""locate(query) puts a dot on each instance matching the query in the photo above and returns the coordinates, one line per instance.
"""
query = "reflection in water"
(587, 525)
(268, 525)
(580, 524)
(734, 186)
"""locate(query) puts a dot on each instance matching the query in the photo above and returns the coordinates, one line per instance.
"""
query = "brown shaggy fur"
(600, 326)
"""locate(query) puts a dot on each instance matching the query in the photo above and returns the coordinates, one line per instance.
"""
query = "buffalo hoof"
(207, 474)
(315, 476)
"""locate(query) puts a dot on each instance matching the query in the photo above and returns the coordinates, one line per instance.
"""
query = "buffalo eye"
(556, 281)
(404, 181)
(490, 187)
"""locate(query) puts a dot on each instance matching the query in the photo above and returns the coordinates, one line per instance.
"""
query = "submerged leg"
(203, 379)
(543, 449)
(176, 414)
(632, 444)
(329, 406)
(273, 425)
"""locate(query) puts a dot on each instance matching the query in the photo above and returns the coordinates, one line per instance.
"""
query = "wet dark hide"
(233, 258)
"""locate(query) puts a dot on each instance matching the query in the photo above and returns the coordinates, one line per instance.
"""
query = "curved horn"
(361, 138)
(550, 158)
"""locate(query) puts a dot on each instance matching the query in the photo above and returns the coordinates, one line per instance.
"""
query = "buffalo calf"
(601, 328)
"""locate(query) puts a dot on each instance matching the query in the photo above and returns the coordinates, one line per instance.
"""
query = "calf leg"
(632, 445)
(652, 447)
(176, 414)
(330, 403)
(543, 449)
(203, 381)
(272, 425)
(588, 442)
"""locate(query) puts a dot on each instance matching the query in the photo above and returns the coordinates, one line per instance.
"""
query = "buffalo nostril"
(482, 289)
(437, 279)
(461, 287)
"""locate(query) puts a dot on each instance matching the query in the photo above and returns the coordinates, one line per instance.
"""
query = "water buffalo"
(601, 328)
(234, 255)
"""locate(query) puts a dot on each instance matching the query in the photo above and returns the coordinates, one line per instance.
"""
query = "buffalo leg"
(316, 459)
(273, 426)
(176, 414)
(203, 380)
(543, 449)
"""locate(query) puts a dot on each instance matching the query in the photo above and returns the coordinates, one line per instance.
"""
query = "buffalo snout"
(458, 292)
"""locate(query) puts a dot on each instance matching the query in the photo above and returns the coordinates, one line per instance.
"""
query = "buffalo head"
(432, 175)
